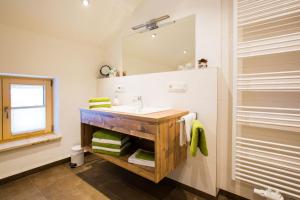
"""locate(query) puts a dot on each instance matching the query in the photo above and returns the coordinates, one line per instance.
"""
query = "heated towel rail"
(266, 95)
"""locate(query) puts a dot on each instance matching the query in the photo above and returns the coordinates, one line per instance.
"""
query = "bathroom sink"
(134, 110)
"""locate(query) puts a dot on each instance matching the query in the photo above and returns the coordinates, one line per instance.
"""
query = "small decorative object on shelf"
(202, 63)
(105, 71)
(113, 72)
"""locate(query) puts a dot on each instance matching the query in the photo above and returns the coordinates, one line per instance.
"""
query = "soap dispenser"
(116, 101)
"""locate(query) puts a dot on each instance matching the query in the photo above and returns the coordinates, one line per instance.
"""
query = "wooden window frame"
(5, 101)
(1, 105)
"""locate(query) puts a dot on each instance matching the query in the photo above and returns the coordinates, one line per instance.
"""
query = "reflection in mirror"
(168, 48)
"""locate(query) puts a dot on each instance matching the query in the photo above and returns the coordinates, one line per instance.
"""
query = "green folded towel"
(198, 139)
(114, 142)
(109, 135)
(99, 99)
(100, 106)
(145, 155)
(116, 154)
(123, 151)
(112, 146)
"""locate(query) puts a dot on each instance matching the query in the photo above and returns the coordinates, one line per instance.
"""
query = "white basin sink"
(134, 110)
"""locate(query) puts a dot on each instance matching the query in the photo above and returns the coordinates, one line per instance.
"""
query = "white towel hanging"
(186, 128)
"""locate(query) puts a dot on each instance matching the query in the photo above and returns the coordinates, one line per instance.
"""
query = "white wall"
(200, 171)
(74, 68)
(225, 110)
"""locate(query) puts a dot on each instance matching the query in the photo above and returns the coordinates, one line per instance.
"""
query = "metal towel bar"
(182, 120)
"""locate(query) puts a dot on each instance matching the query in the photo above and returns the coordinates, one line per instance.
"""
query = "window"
(27, 108)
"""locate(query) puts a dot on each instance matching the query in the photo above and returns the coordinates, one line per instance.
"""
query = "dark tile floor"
(97, 179)
(119, 184)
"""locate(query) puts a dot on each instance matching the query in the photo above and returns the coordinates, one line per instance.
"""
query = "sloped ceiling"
(68, 19)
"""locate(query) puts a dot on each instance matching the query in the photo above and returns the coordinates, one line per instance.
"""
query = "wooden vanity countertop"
(152, 117)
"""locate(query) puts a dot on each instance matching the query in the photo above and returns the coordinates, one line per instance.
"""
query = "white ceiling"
(94, 24)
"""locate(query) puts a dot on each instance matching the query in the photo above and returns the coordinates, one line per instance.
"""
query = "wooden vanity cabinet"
(159, 129)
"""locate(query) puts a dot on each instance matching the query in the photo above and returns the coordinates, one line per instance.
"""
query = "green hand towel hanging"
(198, 139)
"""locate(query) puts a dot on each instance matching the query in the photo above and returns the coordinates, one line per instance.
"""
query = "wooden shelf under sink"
(122, 161)
(160, 130)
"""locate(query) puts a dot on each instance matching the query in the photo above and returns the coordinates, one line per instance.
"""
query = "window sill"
(28, 142)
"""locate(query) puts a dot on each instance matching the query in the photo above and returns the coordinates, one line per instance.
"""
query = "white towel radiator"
(266, 95)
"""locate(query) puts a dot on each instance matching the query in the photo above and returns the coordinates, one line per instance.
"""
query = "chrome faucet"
(139, 103)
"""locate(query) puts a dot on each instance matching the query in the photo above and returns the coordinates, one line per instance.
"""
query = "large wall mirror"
(168, 48)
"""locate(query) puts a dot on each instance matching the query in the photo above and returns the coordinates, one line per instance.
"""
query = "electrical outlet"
(177, 87)
(120, 88)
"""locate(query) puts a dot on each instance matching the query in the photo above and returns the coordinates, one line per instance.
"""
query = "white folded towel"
(111, 149)
(182, 136)
(107, 141)
(141, 162)
(99, 103)
(132, 159)
(186, 128)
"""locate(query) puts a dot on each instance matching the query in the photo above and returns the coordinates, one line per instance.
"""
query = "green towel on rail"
(198, 139)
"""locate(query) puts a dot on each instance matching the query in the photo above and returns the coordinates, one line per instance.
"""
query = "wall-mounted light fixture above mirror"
(169, 47)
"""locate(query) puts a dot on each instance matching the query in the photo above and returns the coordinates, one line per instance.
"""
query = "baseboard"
(230, 195)
(34, 170)
(204, 195)
(193, 190)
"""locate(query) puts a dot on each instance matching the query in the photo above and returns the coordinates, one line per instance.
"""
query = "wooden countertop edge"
(152, 117)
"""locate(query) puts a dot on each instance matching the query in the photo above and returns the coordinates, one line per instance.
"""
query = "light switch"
(177, 87)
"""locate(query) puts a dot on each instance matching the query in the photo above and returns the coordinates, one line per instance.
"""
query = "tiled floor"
(55, 183)
(97, 180)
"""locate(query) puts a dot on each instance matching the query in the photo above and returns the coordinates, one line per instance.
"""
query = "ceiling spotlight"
(184, 52)
(85, 3)
(153, 35)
